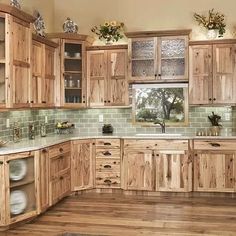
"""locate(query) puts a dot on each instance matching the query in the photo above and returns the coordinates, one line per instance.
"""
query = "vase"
(215, 130)
(212, 34)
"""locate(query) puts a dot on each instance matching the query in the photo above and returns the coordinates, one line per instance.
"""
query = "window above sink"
(155, 102)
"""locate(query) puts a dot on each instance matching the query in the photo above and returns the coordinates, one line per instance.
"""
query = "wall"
(45, 7)
(142, 15)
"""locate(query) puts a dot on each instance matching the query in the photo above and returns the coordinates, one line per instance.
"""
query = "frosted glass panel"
(143, 49)
(173, 67)
(143, 68)
(173, 48)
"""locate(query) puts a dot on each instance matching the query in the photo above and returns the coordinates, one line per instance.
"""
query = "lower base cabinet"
(59, 172)
(173, 171)
(2, 193)
(82, 165)
(138, 170)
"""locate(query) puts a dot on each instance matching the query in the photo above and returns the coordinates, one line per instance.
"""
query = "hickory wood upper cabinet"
(160, 165)
(71, 63)
(43, 72)
(158, 56)
(15, 57)
(2, 192)
(107, 76)
(212, 72)
(82, 165)
(214, 166)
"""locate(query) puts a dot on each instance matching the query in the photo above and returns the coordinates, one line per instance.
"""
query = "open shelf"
(72, 58)
(21, 183)
(73, 88)
(2, 61)
(143, 59)
(73, 72)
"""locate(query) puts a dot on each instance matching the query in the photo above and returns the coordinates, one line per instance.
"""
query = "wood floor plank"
(116, 214)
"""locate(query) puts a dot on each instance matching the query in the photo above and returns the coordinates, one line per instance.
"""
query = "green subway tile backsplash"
(87, 120)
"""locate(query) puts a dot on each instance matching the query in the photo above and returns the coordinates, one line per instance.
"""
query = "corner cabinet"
(107, 76)
(43, 72)
(72, 65)
(82, 165)
(214, 166)
(15, 57)
(21, 186)
(212, 72)
(158, 56)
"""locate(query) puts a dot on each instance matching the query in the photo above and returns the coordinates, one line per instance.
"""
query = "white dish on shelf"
(18, 202)
(17, 169)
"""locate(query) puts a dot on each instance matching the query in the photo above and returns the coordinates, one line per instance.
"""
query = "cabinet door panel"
(2, 193)
(173, 171)
(82, 165)
(224, 82)
(44, 180)
(200, 80)
(97, 75)
(138, 170)
(214, 171)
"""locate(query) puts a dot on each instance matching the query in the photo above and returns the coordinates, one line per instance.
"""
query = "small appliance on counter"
(107, 129)
(65, 127)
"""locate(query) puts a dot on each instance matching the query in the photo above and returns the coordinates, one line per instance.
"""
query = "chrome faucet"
(162, 124)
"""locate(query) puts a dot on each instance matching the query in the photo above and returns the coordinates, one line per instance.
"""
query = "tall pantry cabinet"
(15, 57)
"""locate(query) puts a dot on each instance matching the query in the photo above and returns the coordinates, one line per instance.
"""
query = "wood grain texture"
(114, 214)
(200, 78)
(82, 165)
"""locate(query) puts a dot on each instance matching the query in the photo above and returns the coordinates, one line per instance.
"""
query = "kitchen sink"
(159, 135)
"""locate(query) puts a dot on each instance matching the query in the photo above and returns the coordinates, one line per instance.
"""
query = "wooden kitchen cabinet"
(214, 166)
(59, 172)
(173, 171)
(72, 65)
(44, 202)
(212, 72)
(158, 56)
(108, 163)
(21, 188)
(157, 165)
(15, 57)
(107, 76)
(82, 165)
(43, 72)
(139, 170)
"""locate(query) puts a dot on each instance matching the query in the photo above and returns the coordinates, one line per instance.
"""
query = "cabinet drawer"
(59, 149)
(59, 165)
(108, 143)
(104, 165)
(60, 187)
(108, 180)
(156, 144)
(107, 153)
(214, 144)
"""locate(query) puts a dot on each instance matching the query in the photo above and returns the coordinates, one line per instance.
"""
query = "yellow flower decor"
(214, 20)
(110, 31)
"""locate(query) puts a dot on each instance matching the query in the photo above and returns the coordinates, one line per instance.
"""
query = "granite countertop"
(52, 139)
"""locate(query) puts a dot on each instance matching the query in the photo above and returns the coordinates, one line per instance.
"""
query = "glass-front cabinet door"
(142, 54)
(2, 61)
(173, 58)
(21, 181)
(74, 86)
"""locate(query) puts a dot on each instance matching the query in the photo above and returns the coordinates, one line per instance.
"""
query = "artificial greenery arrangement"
(110, 31)
(214, 119)
(214, 20)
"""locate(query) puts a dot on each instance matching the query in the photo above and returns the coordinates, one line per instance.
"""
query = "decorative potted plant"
(215, 119)
(110, 31)
(214, 23)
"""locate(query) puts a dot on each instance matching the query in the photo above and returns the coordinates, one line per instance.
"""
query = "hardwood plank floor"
(115, 214)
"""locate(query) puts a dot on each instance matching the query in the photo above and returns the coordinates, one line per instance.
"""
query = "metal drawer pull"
(107, 153)
(61, 157)
(107, 167)
(107, 181)
(107, 144)
(1, 162)
(61, 178)
(215, 144)
(61, 149)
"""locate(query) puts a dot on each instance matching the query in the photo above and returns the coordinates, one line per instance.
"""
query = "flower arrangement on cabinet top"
(110, 31)
(214, 21)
